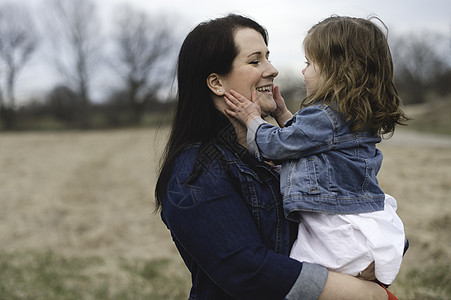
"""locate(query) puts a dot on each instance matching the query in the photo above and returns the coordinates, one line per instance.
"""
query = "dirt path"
(414, 138)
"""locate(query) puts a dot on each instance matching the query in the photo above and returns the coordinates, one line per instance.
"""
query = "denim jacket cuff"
(251, 137)
(310, 282)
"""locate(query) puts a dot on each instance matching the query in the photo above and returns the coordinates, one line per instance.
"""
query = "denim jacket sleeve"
(210, 220)
(311, 130)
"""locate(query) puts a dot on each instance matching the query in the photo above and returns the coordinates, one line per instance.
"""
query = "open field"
(77, 222)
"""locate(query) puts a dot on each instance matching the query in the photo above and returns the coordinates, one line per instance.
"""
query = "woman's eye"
(255, 62)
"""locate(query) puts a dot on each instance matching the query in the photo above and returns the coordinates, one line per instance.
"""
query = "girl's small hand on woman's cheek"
(241, 108)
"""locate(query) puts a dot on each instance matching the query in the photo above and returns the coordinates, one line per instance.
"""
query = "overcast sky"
(286, 20)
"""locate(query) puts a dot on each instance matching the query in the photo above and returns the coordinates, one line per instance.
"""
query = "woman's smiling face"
(251, 69)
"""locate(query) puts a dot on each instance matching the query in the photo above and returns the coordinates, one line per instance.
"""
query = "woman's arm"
(337, 286)
(347, 287)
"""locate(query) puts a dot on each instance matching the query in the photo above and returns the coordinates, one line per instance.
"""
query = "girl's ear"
(215, 85)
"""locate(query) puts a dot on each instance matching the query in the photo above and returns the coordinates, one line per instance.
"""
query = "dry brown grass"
(417, 171)
(82, 193)
(88, 194)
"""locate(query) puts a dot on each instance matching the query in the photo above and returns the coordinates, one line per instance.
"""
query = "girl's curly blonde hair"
(356, 74)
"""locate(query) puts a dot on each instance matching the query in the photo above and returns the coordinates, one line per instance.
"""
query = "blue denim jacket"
(224, 210)
(325, 166)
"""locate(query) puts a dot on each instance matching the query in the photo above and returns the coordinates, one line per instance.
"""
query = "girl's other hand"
(281, 114)
(368, 273)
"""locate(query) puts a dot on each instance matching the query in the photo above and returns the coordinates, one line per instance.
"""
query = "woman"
(222, 206)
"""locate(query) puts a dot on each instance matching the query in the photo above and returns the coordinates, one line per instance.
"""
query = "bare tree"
(142, 47)
(18, 41)
(74, 32)
(419, 61)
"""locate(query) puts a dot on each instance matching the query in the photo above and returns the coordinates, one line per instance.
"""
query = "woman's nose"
(271, 71)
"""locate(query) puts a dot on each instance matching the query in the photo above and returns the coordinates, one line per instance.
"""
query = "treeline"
(140, 49)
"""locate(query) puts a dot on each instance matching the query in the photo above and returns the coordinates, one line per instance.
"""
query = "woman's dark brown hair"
(208, 48)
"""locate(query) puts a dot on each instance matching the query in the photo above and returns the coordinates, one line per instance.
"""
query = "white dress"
(348, 243)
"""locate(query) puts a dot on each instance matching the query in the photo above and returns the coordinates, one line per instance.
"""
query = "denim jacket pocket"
(255, 189)
(247, 172)
(307, 180)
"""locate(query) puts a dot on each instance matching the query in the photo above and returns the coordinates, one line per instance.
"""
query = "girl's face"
(311, 76)
(251, 70)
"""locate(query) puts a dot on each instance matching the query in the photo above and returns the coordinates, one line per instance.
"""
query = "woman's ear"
(215, 85)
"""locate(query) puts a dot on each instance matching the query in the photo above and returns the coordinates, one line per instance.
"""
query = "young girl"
(328, 149)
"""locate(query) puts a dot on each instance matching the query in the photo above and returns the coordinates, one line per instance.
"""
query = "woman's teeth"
(264, 89)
